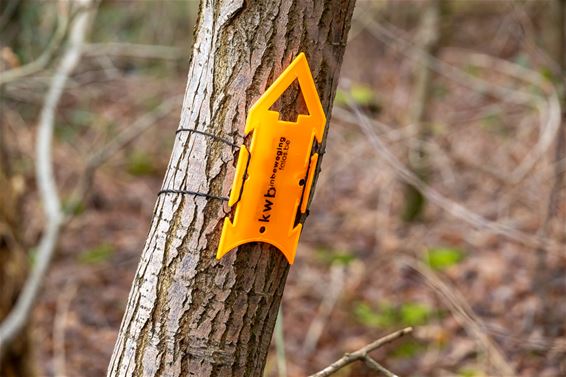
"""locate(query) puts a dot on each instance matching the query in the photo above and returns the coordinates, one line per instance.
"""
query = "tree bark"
(188, 313)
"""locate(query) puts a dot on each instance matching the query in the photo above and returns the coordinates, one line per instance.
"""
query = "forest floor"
(482, 300)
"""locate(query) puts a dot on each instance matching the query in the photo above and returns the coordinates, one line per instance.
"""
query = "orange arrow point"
(273, 178)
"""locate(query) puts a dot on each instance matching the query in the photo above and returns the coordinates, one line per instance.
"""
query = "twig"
(18, 317)
(372, 364)
(362, 354)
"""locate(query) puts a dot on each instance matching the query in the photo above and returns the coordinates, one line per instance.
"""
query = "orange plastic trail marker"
(273, 178)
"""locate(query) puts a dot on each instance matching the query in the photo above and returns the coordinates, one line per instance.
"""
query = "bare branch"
(362, 354)
(372, 364)
(18, 317)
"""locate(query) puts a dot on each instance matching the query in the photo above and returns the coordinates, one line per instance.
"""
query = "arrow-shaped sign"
(273, 178)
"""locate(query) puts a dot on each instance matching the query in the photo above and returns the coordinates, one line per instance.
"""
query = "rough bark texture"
(189, 314)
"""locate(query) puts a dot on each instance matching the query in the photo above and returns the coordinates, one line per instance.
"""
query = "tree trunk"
(188, 313)
(430, 43)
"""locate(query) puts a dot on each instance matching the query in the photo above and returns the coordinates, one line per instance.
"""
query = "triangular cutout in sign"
(273, 178)
(291, 102)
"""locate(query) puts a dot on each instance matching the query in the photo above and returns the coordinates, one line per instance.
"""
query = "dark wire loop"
(215, 137)
(194, 193)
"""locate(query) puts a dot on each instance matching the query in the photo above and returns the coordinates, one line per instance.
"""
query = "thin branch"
(372, 364)
(19, 315)
(362, 354)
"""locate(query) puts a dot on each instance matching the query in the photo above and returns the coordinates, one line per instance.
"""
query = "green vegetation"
(388, 315)
(362, 95)
(97, 254)
(469, 372)
(73, 206)
(140, 163)
(330, 257)
(408, 349)
(441, 258)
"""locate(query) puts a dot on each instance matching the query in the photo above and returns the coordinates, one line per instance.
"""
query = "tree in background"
(187, 312)
(430, 35)
(16, 359)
